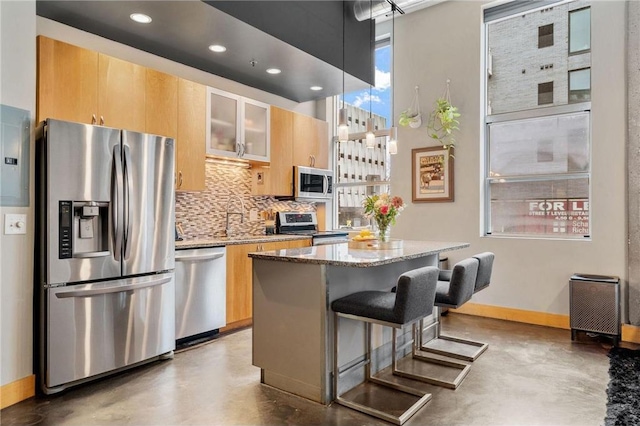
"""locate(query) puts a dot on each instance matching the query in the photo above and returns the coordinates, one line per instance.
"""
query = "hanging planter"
(443, 121)
(412, 117)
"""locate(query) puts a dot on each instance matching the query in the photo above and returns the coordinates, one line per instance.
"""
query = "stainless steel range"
(306, 223)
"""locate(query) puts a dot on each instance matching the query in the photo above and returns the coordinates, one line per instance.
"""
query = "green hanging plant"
(443, 121)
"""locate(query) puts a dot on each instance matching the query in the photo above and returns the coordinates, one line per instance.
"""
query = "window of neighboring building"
(537, 140)
(580, 30)
(362, 171)
(545, 93)
(545, 36)
(580, 85)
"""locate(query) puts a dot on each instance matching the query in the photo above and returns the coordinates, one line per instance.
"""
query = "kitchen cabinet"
(237, 127)
(190, 143)
(161, 104)
(121, 94)
(240, 279)
(277, 179)
(76, 84)
(296, 139)
(67, 82)
(310, 137)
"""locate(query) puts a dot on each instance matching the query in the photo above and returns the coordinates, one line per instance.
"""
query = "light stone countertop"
(342, 255)
(241, 239)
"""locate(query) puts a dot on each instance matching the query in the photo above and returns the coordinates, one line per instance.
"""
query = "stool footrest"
(467, 350)
(375, 398)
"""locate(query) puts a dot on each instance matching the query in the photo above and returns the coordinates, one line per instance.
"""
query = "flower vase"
(384, 231)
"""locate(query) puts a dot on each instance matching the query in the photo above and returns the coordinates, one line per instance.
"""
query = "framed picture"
(432, 174)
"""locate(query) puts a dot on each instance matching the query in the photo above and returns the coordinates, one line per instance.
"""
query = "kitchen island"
(292, 319)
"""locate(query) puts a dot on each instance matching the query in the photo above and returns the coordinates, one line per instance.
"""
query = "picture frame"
(432, 175)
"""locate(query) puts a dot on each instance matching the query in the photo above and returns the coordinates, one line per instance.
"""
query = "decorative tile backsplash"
(202, 215)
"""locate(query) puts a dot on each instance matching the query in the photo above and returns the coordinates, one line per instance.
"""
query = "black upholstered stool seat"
(454, 291)
(413, 301)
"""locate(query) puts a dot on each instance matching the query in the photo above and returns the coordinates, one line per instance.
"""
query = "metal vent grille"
(595, 307)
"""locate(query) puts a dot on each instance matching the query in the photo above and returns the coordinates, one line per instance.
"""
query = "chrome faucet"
(241, 212)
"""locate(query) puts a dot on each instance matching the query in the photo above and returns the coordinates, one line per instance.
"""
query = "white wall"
(444, 42)
(17, 89)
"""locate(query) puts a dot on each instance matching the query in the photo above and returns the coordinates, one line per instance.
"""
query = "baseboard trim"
(630, 333)
(516, 315)
(17, 391)
(237, 325)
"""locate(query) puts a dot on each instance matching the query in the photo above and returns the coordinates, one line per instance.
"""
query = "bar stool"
(468, 350)
(413, 301)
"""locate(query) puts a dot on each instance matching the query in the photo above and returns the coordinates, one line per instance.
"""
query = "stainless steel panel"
(79, 167)
(200, 291)
(95, 328)
(149, 203)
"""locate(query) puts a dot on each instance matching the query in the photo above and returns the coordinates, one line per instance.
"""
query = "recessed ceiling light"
(140, 17)
(218, 48)
(316, 88)
(274, 71)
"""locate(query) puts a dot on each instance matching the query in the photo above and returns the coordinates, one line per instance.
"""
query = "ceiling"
(302, 38)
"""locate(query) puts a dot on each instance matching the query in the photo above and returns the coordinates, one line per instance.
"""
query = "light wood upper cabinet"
(310, 139)
(190, 150)
(161, 104)
(277, 179)
(76, 84)
(67, 82)
(121, 94)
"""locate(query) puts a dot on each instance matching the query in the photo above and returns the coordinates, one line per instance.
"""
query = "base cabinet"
(240, 279)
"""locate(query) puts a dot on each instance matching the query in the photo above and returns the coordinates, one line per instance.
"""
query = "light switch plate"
(15, 224)
(253, 215)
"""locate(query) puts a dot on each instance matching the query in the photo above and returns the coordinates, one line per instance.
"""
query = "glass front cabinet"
(237, 127)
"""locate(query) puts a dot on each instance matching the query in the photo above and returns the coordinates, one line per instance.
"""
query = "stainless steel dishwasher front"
(201, 276)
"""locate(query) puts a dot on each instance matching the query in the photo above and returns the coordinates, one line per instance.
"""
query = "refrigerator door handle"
(116, 199)
(127, 201)
(113, 289)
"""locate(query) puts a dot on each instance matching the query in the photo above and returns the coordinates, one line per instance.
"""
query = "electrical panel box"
(15, 125)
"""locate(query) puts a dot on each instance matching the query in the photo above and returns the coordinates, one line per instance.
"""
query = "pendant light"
(393, 131)
(370, 137)
(343, 126)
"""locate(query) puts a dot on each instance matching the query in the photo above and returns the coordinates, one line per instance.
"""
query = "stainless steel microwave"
(312, 184)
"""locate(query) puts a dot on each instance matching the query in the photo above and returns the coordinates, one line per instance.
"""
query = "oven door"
(313, 183)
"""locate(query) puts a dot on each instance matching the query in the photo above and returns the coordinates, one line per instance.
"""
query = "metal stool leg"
(455, 347)
(394, 415)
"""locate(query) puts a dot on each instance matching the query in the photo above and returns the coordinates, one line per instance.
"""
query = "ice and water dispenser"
(84, 229)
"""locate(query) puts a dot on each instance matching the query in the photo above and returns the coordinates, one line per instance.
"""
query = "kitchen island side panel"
(289, 311)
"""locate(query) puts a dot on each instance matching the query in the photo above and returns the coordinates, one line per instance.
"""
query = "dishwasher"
(200, 283)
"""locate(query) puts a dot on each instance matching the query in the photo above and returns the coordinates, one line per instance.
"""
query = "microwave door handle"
(128, 211)
(325, 184)
(116, 202)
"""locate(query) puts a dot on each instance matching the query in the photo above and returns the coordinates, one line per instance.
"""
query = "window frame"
(550, 111)
(569, 84)
(583, 51)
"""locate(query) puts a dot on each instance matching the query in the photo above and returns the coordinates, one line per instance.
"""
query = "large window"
(362, 171)
(538, 132)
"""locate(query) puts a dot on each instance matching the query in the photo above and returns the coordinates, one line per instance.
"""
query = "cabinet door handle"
(101, 120)
(180, 179)
(93, 119)
(310, 160)
(314, 160)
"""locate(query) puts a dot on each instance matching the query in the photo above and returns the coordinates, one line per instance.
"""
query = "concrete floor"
(530, 375)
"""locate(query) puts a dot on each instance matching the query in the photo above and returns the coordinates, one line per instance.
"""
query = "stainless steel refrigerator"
(104, 276)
